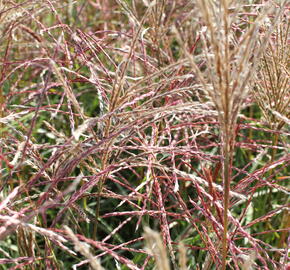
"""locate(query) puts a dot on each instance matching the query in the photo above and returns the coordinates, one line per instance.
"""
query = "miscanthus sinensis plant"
(121, 115)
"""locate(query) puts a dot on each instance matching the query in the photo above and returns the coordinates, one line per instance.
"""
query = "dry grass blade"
(84, 250)
(249, 262)
(156, 249)
(182, 256)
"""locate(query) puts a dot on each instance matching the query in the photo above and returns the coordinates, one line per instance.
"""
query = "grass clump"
(120, 116)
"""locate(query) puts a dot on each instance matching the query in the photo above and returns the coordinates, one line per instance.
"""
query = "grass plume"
(117, 116)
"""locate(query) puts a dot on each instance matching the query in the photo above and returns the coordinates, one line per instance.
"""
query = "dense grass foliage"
(144, 134)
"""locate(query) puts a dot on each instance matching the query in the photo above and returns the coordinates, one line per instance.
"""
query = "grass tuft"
(120, 116)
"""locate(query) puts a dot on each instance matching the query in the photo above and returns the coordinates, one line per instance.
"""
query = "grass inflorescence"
(144, 134)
